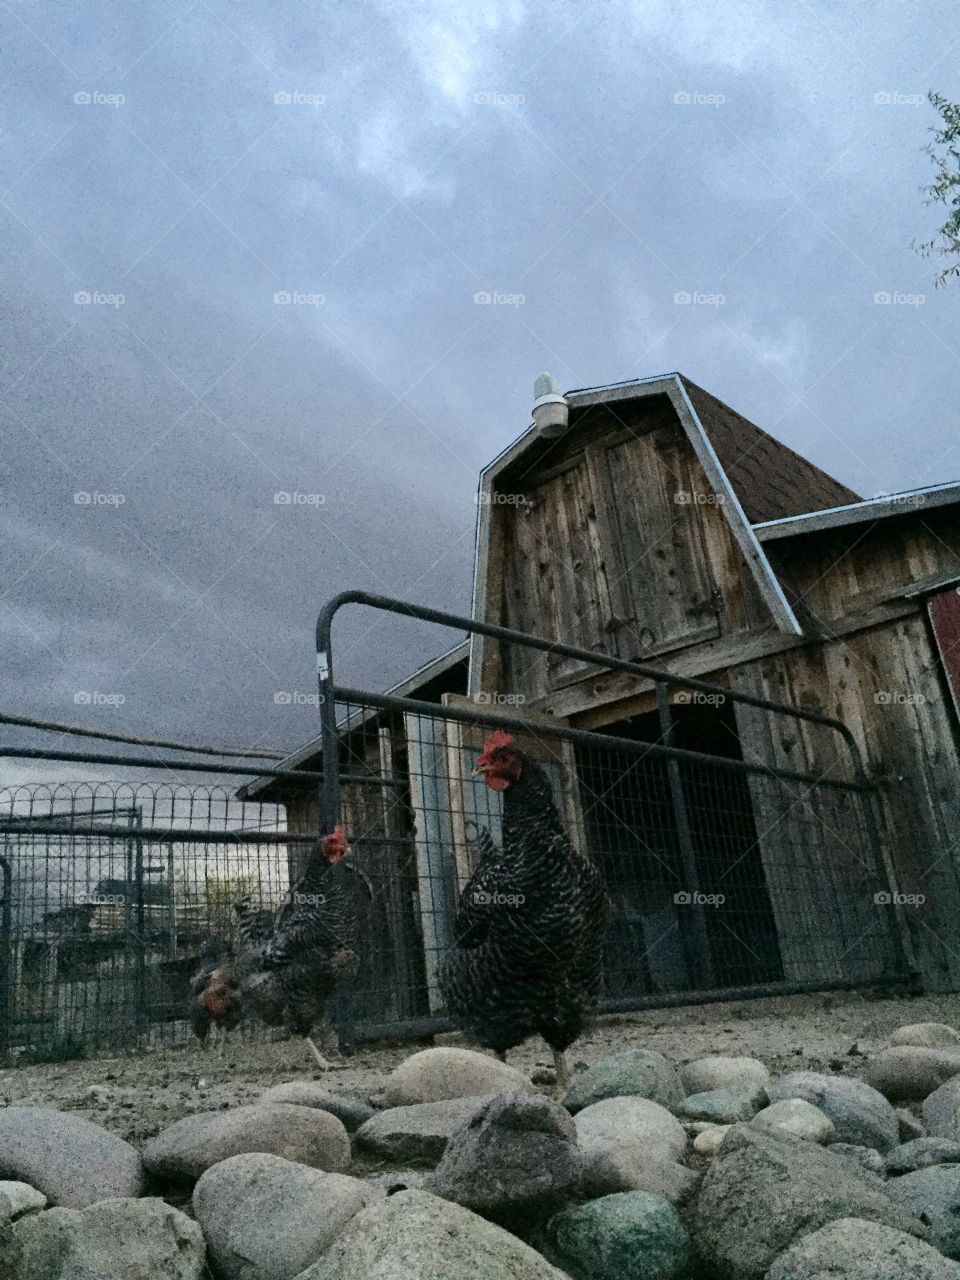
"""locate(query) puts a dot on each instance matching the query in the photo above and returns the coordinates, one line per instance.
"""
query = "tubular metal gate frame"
(330, 695)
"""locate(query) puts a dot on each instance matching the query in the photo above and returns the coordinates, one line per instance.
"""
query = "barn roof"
(771, 480)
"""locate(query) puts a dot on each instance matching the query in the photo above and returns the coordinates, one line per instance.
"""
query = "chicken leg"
(562, 1072)
(322, 1063)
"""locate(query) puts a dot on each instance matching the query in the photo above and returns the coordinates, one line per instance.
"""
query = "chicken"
(216, 1000)
(295, 961)
(527, 955)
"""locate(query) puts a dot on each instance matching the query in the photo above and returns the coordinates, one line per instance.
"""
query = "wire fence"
(112, 894)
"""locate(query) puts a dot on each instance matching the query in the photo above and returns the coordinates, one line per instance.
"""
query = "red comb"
(499, 738)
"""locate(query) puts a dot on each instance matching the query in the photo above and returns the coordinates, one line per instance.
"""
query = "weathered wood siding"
(613, 543)
(884, 683)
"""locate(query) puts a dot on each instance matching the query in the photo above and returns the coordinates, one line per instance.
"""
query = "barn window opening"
(666, 934)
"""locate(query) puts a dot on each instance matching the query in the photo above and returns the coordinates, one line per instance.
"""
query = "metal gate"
(739, 841)
(754, 867)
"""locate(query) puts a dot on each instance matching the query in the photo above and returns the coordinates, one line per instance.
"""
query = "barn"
(649, 523)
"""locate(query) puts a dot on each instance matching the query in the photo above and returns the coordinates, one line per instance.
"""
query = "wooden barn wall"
(885, 684)
(614, 543)
(851, 571)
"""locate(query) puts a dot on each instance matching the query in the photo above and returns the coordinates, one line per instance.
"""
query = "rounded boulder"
(266, 1218)
(303, 1134)
(72, 1161)
(637, 1073)
(435, 1075)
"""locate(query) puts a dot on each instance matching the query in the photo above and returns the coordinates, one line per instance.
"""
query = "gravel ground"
(137, 1096)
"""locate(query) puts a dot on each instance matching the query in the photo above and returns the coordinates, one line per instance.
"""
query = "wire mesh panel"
(721, 875)
(105, 919)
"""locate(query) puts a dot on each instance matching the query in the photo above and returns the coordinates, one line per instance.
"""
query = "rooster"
(216, 1000)
(527, 955)
(295, 961)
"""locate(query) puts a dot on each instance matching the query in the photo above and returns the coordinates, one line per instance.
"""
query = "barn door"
(563, 577)
(657, 535)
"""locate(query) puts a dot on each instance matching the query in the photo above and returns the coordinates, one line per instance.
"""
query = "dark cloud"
(243, 246)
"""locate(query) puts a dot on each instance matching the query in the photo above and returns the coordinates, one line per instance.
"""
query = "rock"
(514, 1161)
(632, 1125)
(934, 1196)
(722, 1106)
(434, 1075)
(717, 1072)
(764, 1188)
(910, 1073)
(910, 1126)
(119, 1239)
(635, 1073)
(630, 1234)
(304, 1134)
(921, 1153)
(867, 1158)
(607, 1169)
(794, 1115)
(416, 1234)
(266, 1218)
(852, 1249)
(18, 1198)
(416, 1133)
(707, 1142)
(351, 1112)
(929, 1035)
(859, 1113)
(941, 1111)
(71, 1160)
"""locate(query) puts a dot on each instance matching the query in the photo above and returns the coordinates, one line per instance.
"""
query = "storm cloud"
(278, 278)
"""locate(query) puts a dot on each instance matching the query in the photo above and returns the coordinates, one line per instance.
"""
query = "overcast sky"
(171, 170)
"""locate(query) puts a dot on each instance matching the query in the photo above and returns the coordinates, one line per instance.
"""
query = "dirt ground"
(137, 1096)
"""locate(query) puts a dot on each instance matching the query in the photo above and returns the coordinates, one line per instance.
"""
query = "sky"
(278, 278)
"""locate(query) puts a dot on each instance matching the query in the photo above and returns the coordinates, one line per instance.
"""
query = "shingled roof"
(769, 478)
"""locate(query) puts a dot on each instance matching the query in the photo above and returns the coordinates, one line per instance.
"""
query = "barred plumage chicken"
(527, 955)
(215, 998)
(295, 961)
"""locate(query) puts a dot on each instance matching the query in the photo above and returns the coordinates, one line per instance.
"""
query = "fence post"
(6, 991)
(140, 959)
(693, 929)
